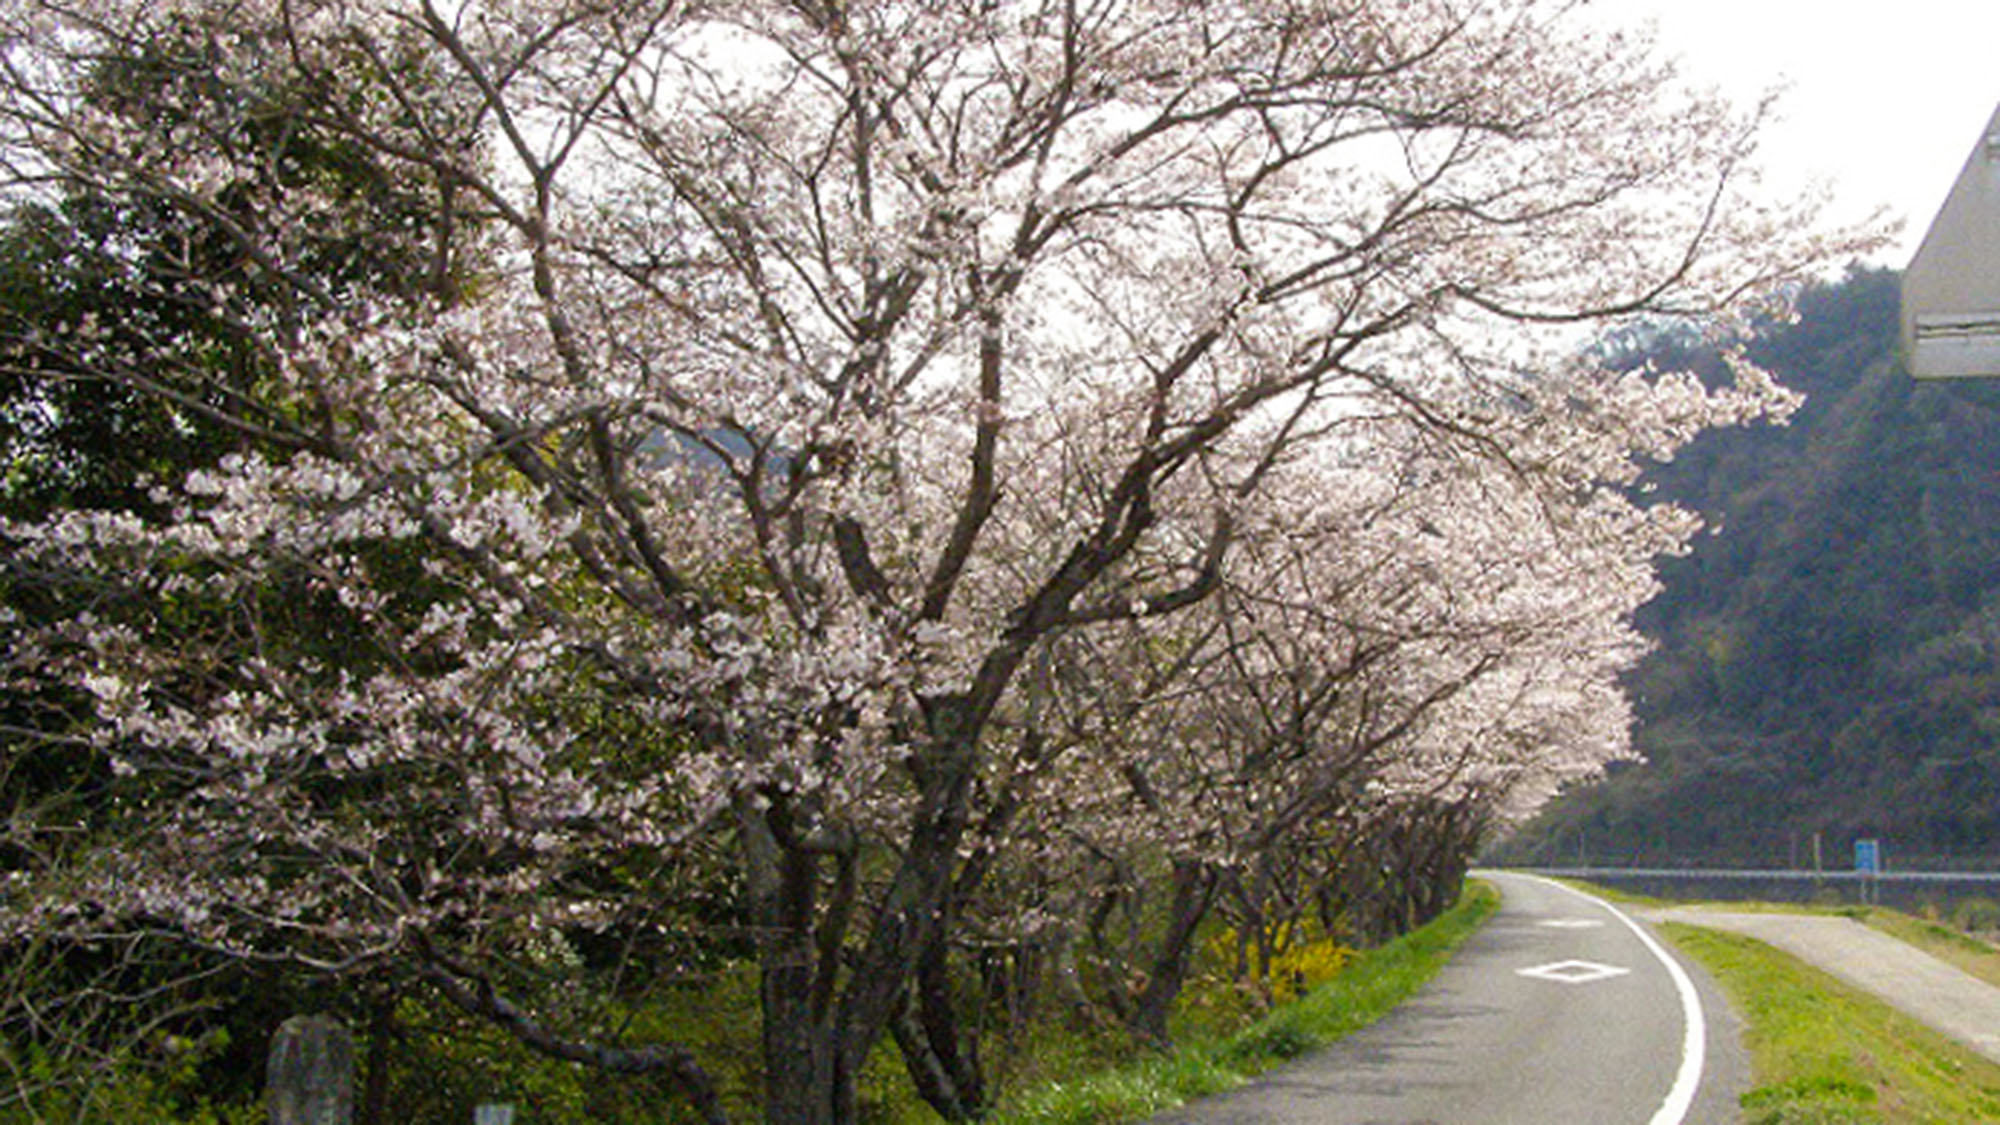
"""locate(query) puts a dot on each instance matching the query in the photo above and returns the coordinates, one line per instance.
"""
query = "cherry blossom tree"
(1396, 656)
(693, 422)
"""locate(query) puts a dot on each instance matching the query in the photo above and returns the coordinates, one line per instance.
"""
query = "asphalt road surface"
(1560, 1010)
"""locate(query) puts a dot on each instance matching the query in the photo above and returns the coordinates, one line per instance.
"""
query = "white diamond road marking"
(1573, 972)
(1571, 923)
(1694, 1023)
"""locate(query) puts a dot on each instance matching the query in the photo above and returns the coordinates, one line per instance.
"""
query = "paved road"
(1954, 1002)
(1558, 1011)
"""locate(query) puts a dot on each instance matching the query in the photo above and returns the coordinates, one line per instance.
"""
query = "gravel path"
(1908, 979)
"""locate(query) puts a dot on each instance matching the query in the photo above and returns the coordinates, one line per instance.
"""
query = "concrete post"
(309, 1075)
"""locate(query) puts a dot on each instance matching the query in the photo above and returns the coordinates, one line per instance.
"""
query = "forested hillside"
(1826, 655)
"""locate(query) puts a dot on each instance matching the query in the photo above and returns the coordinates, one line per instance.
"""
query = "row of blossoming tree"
(953, 474)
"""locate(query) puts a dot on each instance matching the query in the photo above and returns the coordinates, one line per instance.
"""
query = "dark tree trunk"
(806, 1081)
(913, 909)
(957, 1052)
(817, 1037)
(936, 1077)
(1194, 891)
(382, 1033)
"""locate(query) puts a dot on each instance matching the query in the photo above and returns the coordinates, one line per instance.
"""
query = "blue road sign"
(1868, 856)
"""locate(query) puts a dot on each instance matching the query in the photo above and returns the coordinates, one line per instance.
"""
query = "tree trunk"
(382, 1033)
(914, 908)
(1194, 890)
(816, 1038)
(935, 1076)
(806, 1081)
(937, 1014)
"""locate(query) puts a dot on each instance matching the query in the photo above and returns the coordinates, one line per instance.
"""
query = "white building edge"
(1951, 290)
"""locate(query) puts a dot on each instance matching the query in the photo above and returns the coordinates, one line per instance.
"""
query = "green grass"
(1823, 1052)
(1374, 984)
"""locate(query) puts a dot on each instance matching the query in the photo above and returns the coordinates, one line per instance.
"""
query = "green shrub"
(165, 1091)
(1976, 915)
(1276, 1039)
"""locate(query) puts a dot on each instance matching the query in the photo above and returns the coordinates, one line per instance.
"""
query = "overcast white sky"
(1885, 98)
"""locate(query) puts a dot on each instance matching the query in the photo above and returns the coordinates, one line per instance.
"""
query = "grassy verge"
(1366, 990)
(1823, 1052)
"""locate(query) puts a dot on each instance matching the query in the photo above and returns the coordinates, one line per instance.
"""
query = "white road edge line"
(1694, 1040)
